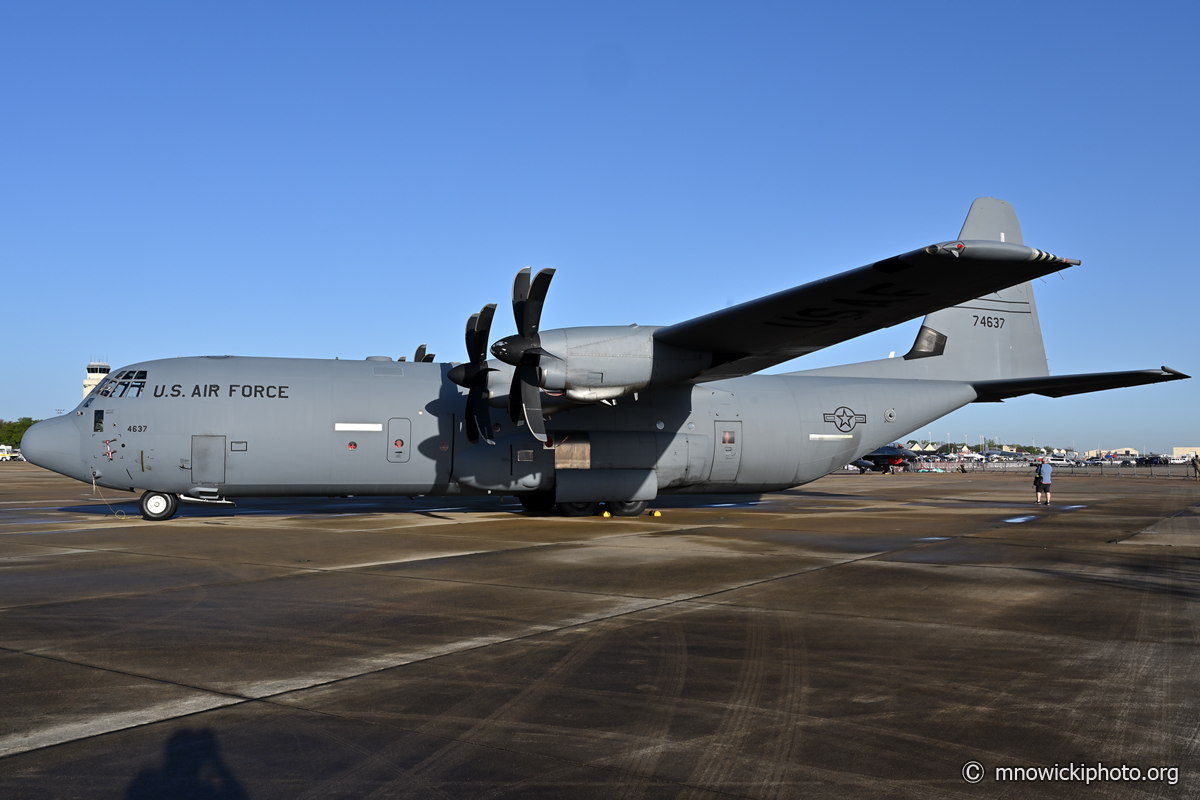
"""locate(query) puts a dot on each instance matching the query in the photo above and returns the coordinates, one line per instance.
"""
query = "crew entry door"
(727, 455)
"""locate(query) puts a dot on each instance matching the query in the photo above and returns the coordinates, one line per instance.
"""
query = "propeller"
(420, 355)
(524, 350)
(473, 375)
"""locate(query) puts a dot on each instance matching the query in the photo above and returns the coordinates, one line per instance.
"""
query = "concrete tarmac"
(862, 635)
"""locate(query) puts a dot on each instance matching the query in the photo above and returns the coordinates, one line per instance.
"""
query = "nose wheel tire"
(578, 509)
(627, 508)
(158, 505)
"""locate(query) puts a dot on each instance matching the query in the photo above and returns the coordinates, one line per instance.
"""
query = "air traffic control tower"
(96, 370)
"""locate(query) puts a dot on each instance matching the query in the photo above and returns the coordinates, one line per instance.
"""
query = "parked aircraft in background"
(886, 458)
(575, 417)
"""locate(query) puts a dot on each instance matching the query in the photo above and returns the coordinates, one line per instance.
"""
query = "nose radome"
(53, 444)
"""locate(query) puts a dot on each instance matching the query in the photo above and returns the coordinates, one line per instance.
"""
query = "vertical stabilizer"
(996, 336)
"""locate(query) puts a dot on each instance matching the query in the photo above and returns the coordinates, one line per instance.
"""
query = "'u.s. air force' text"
(214, 390)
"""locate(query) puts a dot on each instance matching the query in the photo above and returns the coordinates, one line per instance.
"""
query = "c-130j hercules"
(613, 415)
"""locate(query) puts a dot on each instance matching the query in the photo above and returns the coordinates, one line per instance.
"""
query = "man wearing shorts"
(1041, 483)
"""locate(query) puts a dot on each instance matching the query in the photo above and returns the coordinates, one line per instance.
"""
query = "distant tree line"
(11, 431)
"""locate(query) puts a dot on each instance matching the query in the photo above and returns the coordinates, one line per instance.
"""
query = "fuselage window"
(98, 420)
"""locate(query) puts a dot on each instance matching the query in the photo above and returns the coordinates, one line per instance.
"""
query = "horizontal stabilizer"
(1063, 385)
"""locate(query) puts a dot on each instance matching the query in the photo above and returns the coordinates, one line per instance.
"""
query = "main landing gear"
(618, 508)
(158, 506)
(544, 504)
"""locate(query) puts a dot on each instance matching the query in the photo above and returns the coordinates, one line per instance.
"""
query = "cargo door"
(727, 452)
(208, 459)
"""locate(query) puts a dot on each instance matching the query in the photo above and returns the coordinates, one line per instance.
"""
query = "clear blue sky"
(351, 179)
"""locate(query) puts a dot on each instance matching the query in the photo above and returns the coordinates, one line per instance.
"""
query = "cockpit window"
(123, 386)
(98, 421)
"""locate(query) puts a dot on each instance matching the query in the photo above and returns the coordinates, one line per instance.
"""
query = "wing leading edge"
(758, 334)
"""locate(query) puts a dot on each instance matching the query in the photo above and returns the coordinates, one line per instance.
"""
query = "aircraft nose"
(53, 444)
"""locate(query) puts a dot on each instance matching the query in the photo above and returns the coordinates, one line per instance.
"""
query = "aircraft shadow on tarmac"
(310, 506)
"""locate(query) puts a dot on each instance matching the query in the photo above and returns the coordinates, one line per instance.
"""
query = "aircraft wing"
(1063, 385)
(758, 334)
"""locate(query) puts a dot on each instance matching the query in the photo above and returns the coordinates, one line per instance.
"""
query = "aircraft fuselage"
(240, 427)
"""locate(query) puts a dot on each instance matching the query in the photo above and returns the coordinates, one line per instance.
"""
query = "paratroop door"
(399, 432)
(208, 459)
(727, 455)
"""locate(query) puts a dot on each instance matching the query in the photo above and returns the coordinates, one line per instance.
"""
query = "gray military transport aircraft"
(613, 415)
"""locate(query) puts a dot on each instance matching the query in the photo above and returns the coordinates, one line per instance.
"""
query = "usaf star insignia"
(845, 419)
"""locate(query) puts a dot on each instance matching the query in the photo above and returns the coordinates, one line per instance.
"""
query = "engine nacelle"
(602, 363)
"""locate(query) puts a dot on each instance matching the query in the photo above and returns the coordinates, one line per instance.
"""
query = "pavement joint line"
(476, 643)
(940, 623)
(8, 748)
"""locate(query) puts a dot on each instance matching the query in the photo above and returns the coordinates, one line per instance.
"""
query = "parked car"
(1058, 461)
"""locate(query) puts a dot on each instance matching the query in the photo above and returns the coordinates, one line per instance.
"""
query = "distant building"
(96, 370)
(1116, 451)
(1186, 451)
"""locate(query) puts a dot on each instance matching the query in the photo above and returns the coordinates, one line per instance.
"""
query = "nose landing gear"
(158, 506)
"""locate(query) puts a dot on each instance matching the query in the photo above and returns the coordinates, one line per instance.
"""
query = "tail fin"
(990, 338)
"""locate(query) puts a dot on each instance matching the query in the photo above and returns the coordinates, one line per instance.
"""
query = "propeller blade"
(531, 400)
(469, 424)
(519, 296)
(473, 375)
(419, 356)
(472, 324)
(483, 332)
(479, 419)
(428, 359)
(514, 398)
(533, 304)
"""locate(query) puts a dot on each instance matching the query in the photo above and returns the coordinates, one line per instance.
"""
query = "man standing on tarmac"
(1196, 465)
(1041, 483)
